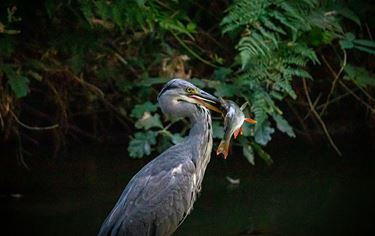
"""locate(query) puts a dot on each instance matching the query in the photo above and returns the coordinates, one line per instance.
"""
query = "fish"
(233, 121)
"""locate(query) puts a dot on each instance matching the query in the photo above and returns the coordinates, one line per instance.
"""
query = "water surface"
(303, 193)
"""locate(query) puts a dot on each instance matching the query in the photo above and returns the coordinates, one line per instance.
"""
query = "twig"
(58, 98)
(92, 87)
(209, 36)
(368, 31)
(1, 121)
(299, 118)
(101, 96)
(163, 5)
(20, 158)
(82, 132)
(365, 93)
(118, 55)
(319, 119)
(336, 99)
(192, 52)
(314, 104)
(346, 88)
(30, 139)
(32, 127)
(357, 97)
(336, 78)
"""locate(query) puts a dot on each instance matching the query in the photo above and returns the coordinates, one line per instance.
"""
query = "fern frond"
(285, 87)
(258, 107)
(282, 19)
(303, 50)
(298, 72)
(242, 13)
(254, 45)
(297, 60)
(267, 22)
(271, 54)
(268, 35)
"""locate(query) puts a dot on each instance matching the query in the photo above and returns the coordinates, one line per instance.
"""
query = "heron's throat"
(201, 121)
(201, 136)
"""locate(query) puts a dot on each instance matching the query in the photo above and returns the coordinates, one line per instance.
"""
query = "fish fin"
(223, 149)
(251, 121)
(237, 132)
(243, 106)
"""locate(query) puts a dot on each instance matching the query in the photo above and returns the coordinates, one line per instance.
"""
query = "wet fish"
(233, 121)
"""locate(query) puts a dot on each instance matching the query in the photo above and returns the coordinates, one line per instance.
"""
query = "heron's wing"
(155, 200)
(169, 197)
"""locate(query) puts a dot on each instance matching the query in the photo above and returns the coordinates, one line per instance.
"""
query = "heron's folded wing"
(158, 201)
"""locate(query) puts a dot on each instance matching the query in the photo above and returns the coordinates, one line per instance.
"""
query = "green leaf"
(174, 26)
(346, 12)
(245, 58)
(191, 27)
(359, 76)
(263, 133)
(248, 152)
(262, 154)
(221, 73)
(177, 138)
(7, 45)
(283, 125)
(149, 121)
(217, 129)
(225, 90)
(345, 44)
(140, 145)
(277, 95)
(122, 84)
(349, 36)
(197, 82)
(259, 108)
(139, 110)
(50, 6)
(86, 8)
(174, 138)
(365, 49)
(18, 83)
(328, 37)
(76, 62)
(363, 42)
(140, 2)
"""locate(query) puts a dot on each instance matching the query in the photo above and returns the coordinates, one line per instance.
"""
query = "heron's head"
(179, 97)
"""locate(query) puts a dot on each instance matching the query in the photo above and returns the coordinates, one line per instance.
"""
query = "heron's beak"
(209, 101)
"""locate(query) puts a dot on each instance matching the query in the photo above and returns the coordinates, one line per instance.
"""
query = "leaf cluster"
(276, 45)
(102, 62)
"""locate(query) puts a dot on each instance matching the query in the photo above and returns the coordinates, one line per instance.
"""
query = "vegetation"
(80, 69)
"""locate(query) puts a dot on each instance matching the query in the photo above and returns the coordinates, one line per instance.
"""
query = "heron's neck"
(201, 136)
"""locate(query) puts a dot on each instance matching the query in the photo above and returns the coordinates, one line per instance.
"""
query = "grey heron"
(160, 196)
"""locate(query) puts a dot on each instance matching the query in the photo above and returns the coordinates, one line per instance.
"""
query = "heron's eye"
(190, 90)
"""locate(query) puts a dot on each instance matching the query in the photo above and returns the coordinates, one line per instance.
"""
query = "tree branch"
(319, 119)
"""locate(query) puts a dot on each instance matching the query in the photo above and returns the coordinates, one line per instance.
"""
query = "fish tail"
(223, 148)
